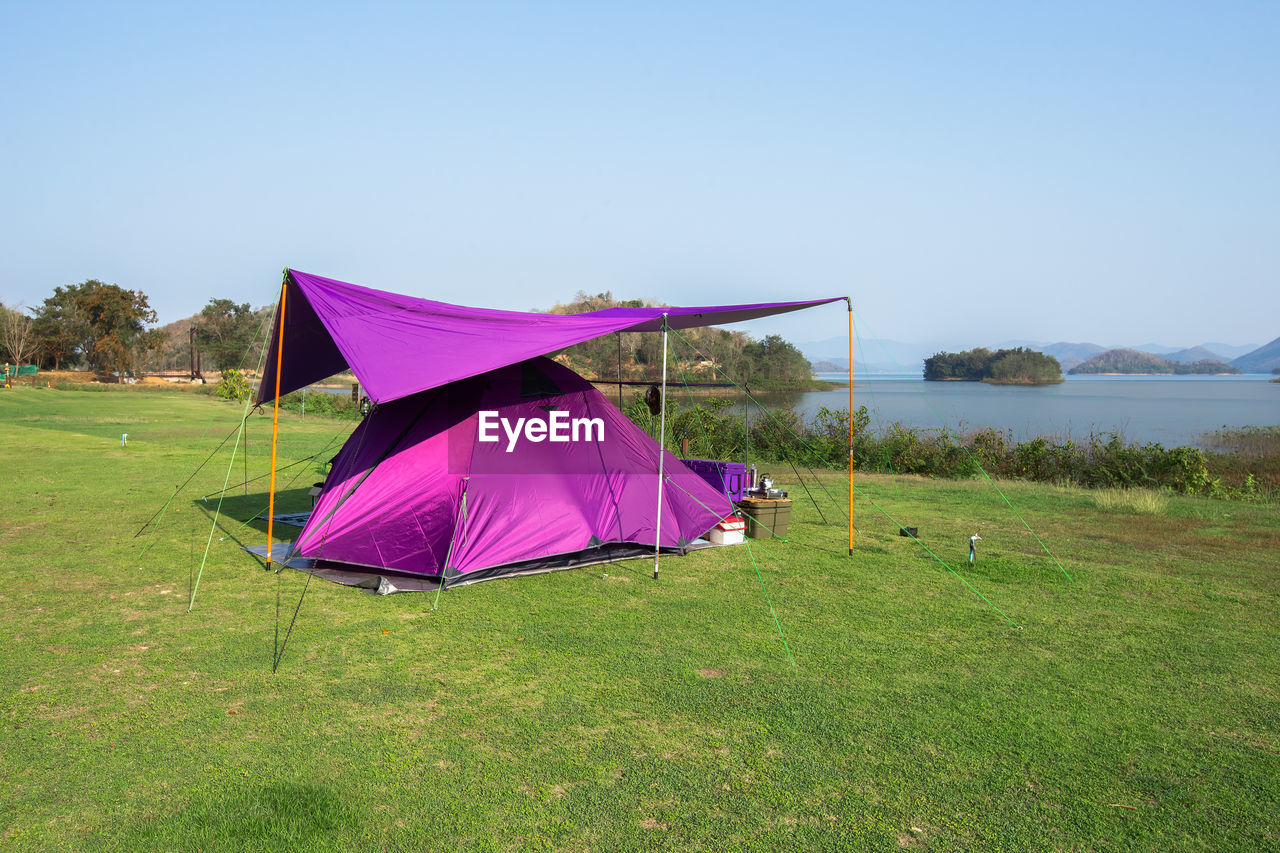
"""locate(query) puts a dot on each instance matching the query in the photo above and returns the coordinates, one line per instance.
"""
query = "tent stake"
(275, 420)
(662, 438)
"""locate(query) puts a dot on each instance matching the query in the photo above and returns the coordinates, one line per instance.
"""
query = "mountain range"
(885, 356)
(1265, 359)
(1137, 362)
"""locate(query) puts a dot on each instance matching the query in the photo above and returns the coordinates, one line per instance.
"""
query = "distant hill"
(1229, 350)
(1262, 360)
(909, 356)
(841, 365)
(176, 352)
(1194, 354)
(884, 356)
(1068, 354)
(1131, 361)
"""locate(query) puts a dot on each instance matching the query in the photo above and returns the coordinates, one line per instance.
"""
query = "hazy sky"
(1085, 171)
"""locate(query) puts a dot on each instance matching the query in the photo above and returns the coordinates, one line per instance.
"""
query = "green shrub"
(1248, 467)
(321, 404)
(233, 385)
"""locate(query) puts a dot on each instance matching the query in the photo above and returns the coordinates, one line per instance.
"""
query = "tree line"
(105, 328)
(702, 354)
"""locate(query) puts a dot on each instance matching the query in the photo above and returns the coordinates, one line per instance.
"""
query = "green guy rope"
(985, 475)
(767, 600)
(878, 508)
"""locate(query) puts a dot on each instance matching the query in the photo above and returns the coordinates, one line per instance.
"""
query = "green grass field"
(1137, 706)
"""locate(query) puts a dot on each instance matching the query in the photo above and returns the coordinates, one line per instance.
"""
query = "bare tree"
(15, 335)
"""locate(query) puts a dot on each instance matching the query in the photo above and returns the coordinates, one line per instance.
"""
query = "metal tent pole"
(619, 337)
(662, 438)
(849, 302)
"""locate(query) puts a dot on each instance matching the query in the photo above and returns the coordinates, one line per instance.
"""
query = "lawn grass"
(1136, 706)
(1138, 501)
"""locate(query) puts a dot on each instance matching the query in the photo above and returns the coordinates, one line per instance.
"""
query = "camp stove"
(763, 488)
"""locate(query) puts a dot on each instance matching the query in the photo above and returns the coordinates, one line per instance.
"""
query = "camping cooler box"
(728, 532)
(728, 478)
(766, 518)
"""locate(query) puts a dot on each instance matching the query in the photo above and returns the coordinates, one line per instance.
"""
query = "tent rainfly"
(481, 457)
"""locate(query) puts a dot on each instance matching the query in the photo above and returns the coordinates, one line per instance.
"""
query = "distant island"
(1018, 366)
(1135, 362)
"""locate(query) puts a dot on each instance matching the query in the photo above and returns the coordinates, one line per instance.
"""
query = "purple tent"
(443, 484)
(482, 458)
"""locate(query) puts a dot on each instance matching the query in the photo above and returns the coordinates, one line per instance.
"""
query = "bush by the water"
(1241, 463)
(1249, 456)
(321, 404)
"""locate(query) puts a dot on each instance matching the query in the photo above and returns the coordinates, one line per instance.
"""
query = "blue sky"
(974, 172)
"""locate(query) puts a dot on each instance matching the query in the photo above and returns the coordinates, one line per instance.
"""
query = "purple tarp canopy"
(399, 345)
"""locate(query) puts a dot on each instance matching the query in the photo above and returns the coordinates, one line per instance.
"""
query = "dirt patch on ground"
(89, 377)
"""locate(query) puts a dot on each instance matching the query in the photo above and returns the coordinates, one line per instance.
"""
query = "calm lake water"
(1172, 410)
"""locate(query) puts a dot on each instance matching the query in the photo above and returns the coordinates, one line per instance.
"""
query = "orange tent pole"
(275, 419)
(849, 302)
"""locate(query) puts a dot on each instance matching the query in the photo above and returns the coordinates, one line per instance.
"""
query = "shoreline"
(1152, 373)
(611, 388)
(1026, 382)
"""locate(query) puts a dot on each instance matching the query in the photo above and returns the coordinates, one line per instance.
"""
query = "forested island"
(1132, 361)
(699, 355)
(1018, 366)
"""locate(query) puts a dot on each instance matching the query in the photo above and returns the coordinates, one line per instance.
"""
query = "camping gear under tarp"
(728, 478)
(418, 489)
(766, 518)
(399, 345)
